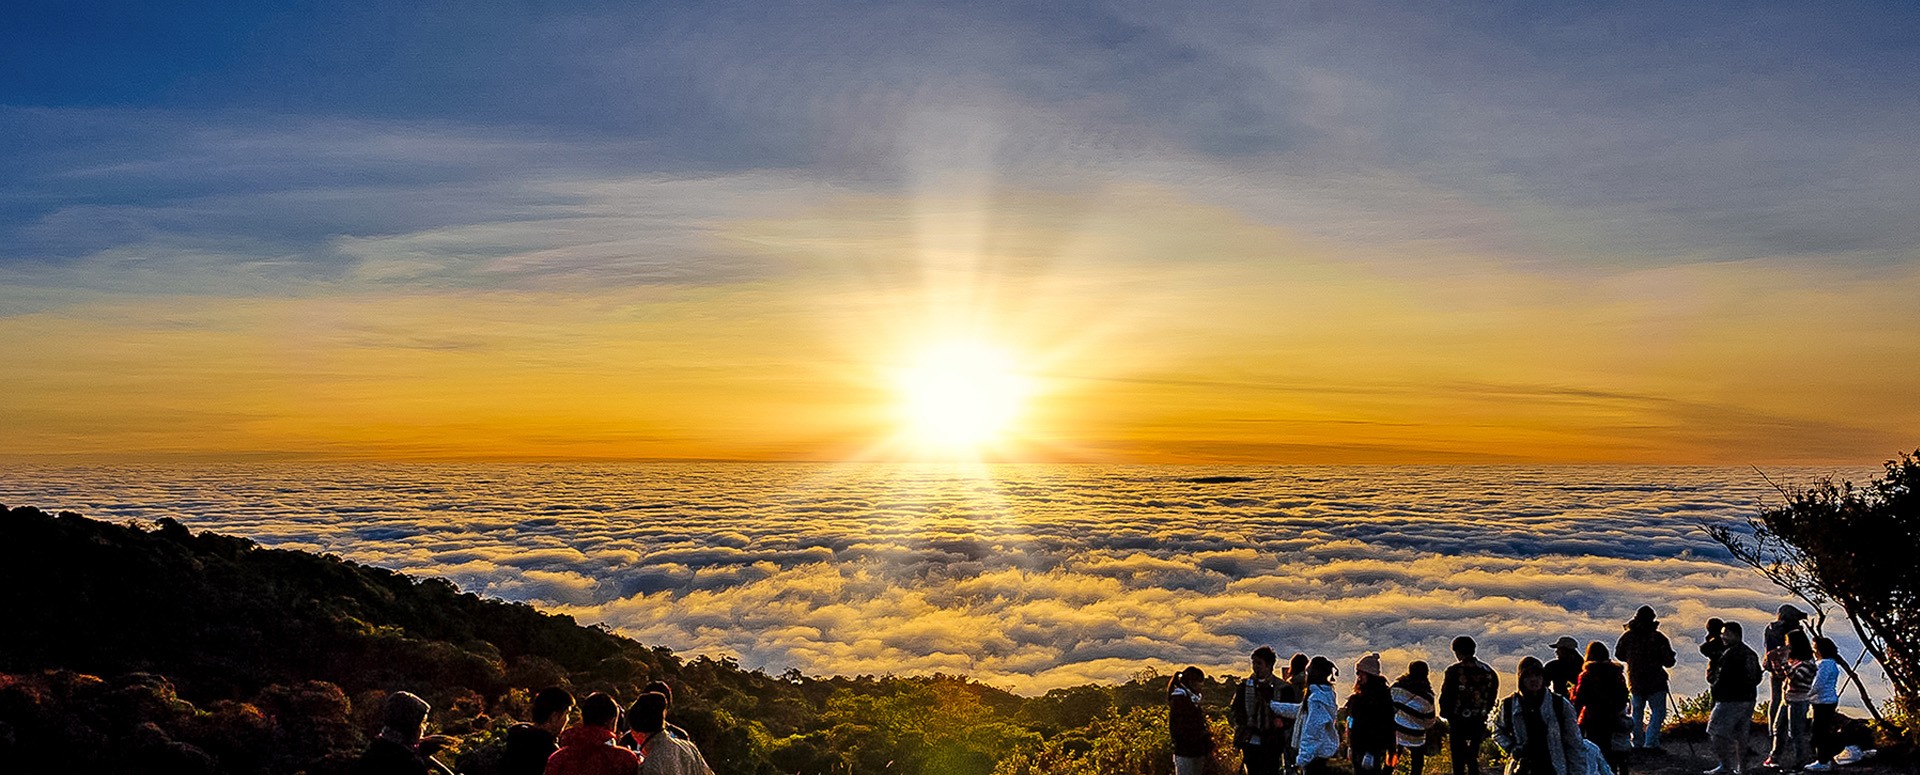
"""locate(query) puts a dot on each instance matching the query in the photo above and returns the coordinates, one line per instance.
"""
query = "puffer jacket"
(1316, 734)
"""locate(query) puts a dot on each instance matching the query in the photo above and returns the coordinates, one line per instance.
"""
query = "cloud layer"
(1032, 577)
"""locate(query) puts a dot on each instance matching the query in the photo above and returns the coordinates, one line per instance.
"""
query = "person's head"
(1643, 616)
(1190, 678)
(1368, 666)
(1566, 643)
(1790, 614)
(1263, 659)
(1597, 652)
(1417, 670)
(1730, 633)
(1297, 666)
(1320, 671)
(404, 716)
(1826, 648)
(551, 705)
(648, 714)
(1713, 627)
(600, 710)
(1463, 647)
(661, 688)
(1799, 646)
(1533, 675)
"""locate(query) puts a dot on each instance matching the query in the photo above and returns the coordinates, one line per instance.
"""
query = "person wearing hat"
(1787, 619)
(399, 748)
(1648, 654)
(1369, 711)
(1537, 728)
(1564, 669)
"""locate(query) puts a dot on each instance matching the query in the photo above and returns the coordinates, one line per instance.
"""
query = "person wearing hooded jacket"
(1601, 696)
(1369, 713)
(1413, 714)
(1187, 722)
(1316, 731)
(587, 748)
(1648, 654)
(1537, 728)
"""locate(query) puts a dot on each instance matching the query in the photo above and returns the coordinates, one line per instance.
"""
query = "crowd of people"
(1577, 713)
(606, 739)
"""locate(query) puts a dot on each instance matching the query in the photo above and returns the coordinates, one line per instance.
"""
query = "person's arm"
(1449, 689)
(1668, 658)
(1493, 686)
(1503, 730)
(1237, 715)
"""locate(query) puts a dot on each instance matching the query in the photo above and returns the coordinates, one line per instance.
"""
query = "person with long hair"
(1413, 714)
(1315, 725)
(1537, 728)
(1792, 745)
(1826, 705)
(1600, 695)
(1187, 722)
(1369, 712)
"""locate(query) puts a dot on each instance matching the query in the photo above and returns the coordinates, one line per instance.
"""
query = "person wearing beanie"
(1648, 654)
(1537, 728)
(1369, 713)
(1413, 715)
(399, 749)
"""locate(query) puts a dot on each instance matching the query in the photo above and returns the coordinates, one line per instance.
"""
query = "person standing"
(1467, 696)
(1565, 666)
(1293, 691)
(1712, 646)
(1537, 728)
(1736, 681)
(1600, 695)
(1316, 728)
(1792, 743)
(1648, 654)
(1187, 722)
(1255, 731)
(1414, 714)
(1370, 722)
(1826, 704)
(1774, 657)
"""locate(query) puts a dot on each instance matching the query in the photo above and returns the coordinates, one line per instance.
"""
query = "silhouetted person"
(1537, 728)
(1254, 729)
(1467, 695)
(1565, 666)
(1600, 694)
(1414, 713)
(1648, 654)
(1293, 691)
(1736, 679)
(662, 753)
(1187, 722)
(399, 749)
(1792, 718)
(587, 748)
(1773, 654)
(661, 688)
(1712, 646)
(1369, 712)
(530, 743)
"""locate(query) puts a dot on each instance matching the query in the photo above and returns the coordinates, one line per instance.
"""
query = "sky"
(1260, 232)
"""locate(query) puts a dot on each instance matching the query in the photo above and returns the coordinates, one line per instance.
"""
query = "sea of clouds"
(1030, 577)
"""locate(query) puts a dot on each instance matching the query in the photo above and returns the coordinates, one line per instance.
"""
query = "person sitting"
(1537, 728)
(530, 743)
(399, 748)
(662, 753)
(587, 748)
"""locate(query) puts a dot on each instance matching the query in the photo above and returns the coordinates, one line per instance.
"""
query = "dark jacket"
(1648, 654)
(1737, 673)
(1188, 723)
(1600, 695)
(1564, 670)
(1252, 714)
(1369, 710)
(1711, 648)
(1469, 691)
(386, 757)
(528, 747)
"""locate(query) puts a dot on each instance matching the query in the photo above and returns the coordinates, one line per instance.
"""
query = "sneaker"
(1770, 764)
(1720, 770)
(1852, 755)
(1818, 767)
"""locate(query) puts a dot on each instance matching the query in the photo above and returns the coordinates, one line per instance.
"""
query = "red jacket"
(589, 750)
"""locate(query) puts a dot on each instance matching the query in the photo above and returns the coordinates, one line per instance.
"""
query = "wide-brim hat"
(1789, 611)
(1565, 642)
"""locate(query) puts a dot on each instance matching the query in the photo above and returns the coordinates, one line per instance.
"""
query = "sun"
(960, 397)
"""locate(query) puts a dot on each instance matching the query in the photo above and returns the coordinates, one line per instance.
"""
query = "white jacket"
(1315, 732)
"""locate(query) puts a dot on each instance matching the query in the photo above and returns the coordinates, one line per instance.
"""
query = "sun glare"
(960, 398)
